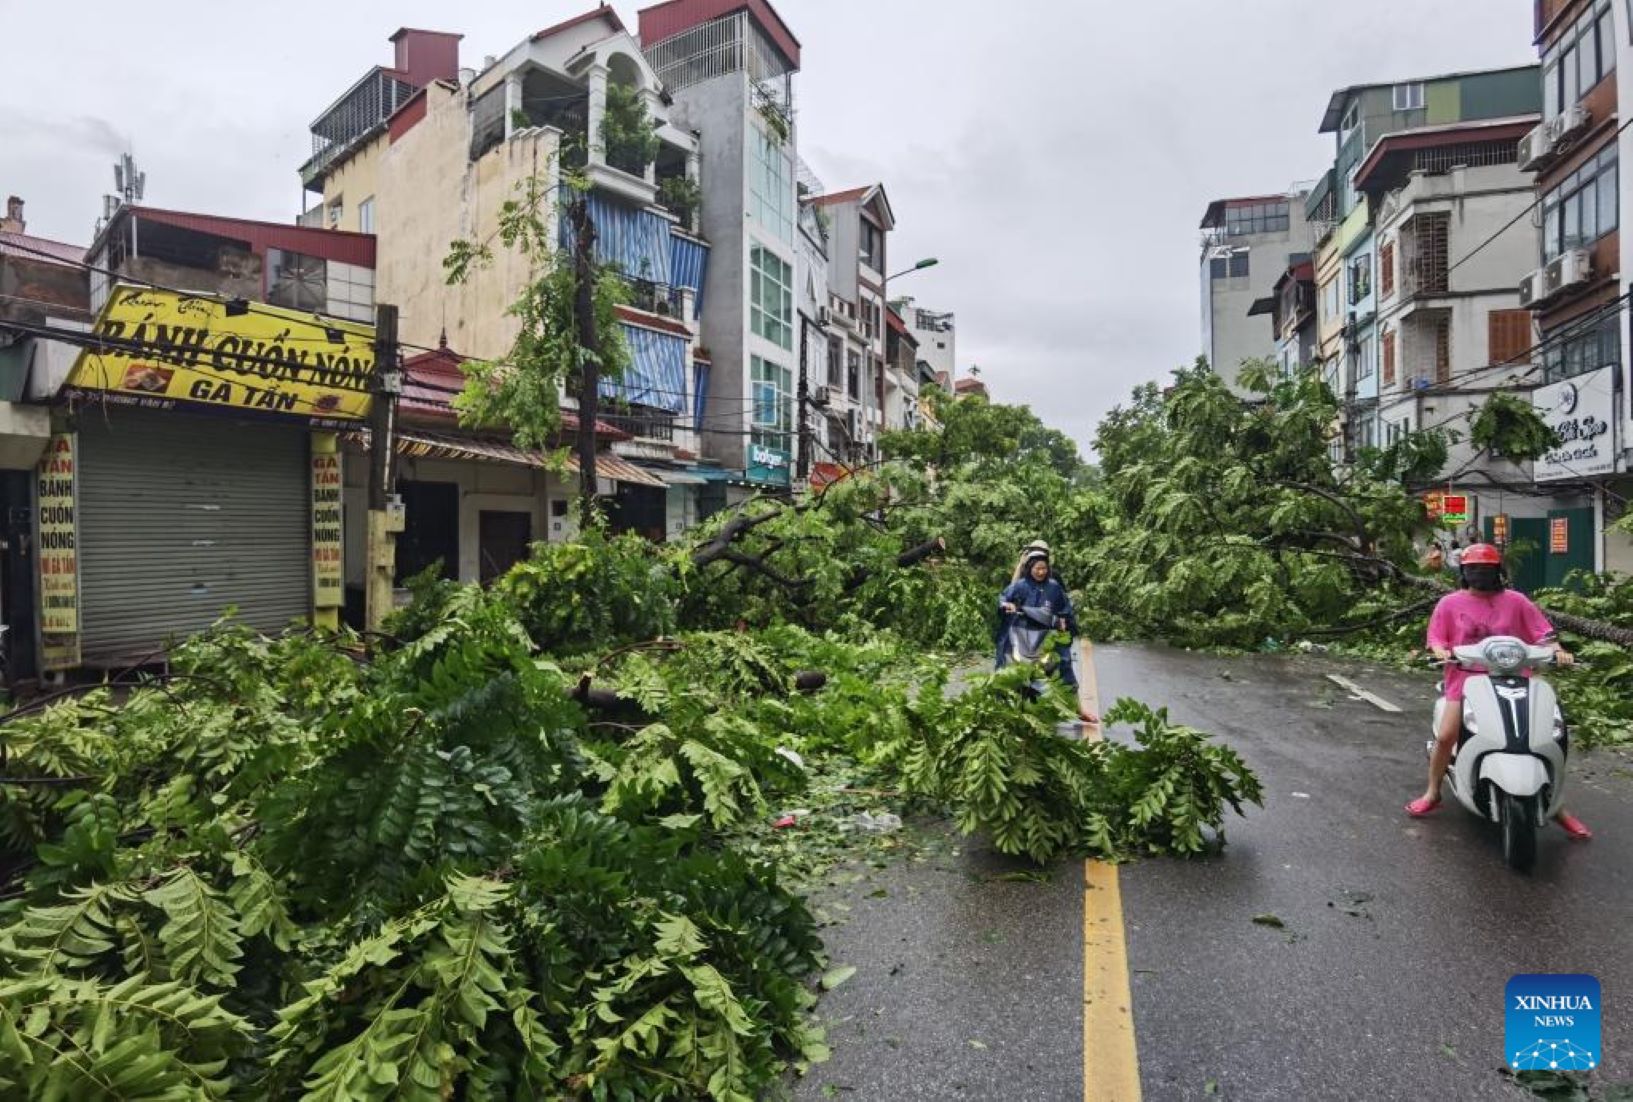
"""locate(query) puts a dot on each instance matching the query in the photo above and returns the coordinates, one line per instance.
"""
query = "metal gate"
(183, 518)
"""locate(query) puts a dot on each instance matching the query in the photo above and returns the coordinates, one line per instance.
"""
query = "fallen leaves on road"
(833, 977)
(1270, 920)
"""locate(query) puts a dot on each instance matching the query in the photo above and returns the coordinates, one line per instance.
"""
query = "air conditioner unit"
(1566, 270)
(1532, 288)
(825, 316)
(820, 396)
(1536, 149)
(1567, 124)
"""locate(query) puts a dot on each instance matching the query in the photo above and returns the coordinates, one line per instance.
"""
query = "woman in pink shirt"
(1484, 607)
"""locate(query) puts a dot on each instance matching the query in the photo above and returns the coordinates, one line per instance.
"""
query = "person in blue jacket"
(1001, 640)
(1038, 587)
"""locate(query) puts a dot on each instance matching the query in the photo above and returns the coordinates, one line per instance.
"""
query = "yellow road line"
(1111, 1063)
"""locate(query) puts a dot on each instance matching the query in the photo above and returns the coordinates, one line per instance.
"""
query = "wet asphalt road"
(1385, 982)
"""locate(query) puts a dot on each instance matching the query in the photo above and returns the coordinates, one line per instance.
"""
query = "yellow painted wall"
(1329, 267)
(430, 194)
(354, 181)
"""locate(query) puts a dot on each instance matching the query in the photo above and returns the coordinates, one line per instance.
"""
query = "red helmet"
(1481, 554)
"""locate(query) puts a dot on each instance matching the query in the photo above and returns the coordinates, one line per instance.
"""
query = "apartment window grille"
(1466, 155)
(1429, 241)
(1443, 350)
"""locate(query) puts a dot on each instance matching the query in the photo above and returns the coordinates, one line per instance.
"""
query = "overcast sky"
(1056, 158)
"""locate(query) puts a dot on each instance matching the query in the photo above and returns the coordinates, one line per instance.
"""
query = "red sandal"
(1576, 828)
(1422, 806)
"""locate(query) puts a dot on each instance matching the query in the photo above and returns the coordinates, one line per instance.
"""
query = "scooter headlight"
(1504, 657)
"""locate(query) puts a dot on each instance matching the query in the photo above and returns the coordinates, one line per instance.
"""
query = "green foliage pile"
(1597, 698)
(282, 872)
(1000, 761)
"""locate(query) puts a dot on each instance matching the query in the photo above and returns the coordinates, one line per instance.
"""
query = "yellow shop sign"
(167, 349)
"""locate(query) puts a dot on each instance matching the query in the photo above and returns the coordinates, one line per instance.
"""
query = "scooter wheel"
(1519, 825)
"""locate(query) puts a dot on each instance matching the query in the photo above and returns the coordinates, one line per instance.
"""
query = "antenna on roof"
(129, 184)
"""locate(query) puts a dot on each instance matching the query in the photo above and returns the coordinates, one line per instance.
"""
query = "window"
(772, 388)
(1386, 269)
(1508, 336)
(1599, 346)
(1364, 365)
(336, 208)
(836, 360)
(1238, 264)
(1330, 306)
(872, 250)
(365, 215)
(853, 373)
(1578, 60)
(1352, 119)
(1408, 97)
(297, 281)
(771, 297)
(1249, 218)
(1583, 207)
(1360, 278)
(1388, 343)
(771, 186)
(1218, 267)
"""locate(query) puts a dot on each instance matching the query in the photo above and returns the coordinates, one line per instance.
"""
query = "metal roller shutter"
(182, 518)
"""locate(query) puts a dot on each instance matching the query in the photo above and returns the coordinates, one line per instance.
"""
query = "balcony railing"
(641, 422)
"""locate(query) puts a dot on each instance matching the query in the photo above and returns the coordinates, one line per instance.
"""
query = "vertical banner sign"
(328, 563)
(1499, 529)
(1559, 536)
(58, 554)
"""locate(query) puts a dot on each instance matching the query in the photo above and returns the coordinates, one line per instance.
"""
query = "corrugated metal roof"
(421, 443)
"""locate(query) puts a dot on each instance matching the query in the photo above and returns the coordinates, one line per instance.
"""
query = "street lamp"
(927, 262)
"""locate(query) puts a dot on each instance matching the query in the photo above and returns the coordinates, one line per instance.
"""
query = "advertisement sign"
(1499, 529)
(1582, 411)
(1454, 509)
(328, 552)
(767, 464)
(1559, 536)
(58, 539)
(173, 350)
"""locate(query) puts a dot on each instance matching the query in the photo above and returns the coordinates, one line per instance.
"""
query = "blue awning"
(700, 392)
(636, 242)
(688, 263)
(656, 375)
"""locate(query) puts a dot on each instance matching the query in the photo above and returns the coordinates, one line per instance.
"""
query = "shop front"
(195, 475)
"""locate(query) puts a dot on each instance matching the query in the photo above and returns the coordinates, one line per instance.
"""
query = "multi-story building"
(1291, 306)
(936, 332)
(859, 220)
(1576, 289)
(728, 67)
(437, 161)
(820, 362)
(1345, 250)
(1246, 243)
(905, 372)
(1449, 205)
(43, 286)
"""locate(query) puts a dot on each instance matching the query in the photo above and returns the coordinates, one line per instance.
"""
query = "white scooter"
(1509, 763)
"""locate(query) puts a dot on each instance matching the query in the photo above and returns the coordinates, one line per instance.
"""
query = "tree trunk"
(589, 384)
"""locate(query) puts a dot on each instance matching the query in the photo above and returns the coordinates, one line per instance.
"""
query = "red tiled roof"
(27, 247)
(834, 197)
(602, 12)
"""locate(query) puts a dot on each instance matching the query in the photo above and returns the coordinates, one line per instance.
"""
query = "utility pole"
(802, 460)
(589, 383)
(384, 523)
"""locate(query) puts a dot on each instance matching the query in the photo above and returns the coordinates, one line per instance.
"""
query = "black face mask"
(1485, 579)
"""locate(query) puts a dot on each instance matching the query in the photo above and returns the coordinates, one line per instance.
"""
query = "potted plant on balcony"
(680, 196)
(629, 136)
